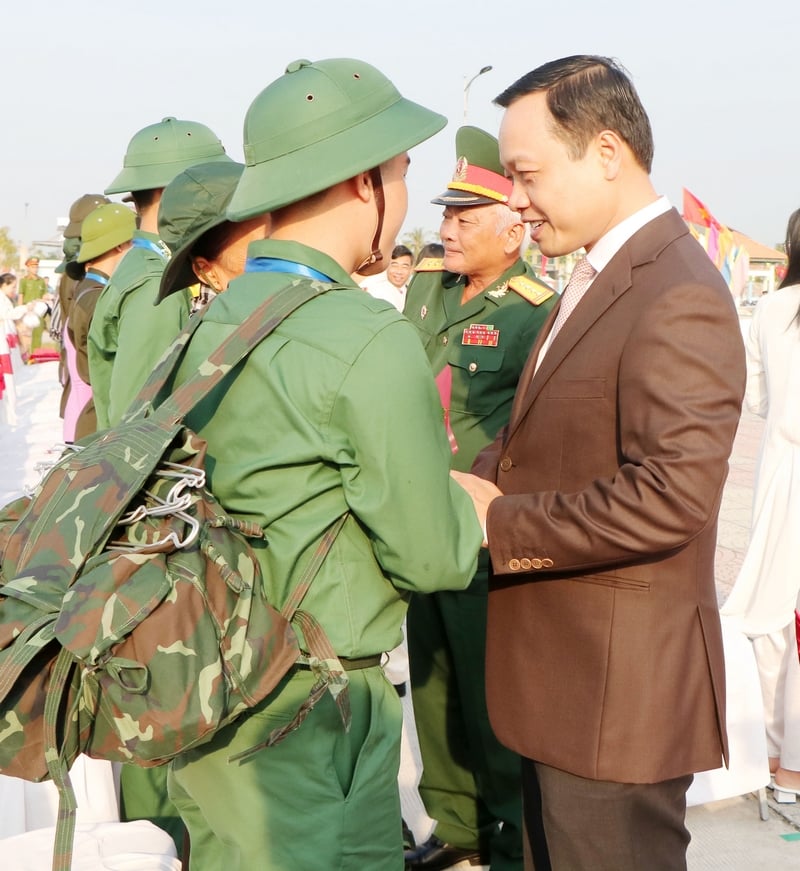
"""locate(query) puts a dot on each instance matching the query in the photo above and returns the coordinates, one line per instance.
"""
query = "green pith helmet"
(193, 203)
(105, 228)
(319, 124)
(159, 152)
(478, 178)
(79, 210)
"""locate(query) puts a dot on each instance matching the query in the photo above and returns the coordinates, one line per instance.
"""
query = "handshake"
(482, 493)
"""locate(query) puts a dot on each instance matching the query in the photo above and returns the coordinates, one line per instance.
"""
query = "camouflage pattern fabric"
(133, 620)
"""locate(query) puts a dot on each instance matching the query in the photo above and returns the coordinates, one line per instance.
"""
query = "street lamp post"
(480, 72)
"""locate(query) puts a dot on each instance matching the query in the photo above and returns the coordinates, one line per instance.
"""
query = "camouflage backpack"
(133, 619)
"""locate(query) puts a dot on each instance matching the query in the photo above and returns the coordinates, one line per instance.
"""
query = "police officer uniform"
(470, 783)
(31, 288)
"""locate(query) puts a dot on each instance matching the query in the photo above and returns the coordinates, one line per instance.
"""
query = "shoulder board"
(430, 264)
(531, 290)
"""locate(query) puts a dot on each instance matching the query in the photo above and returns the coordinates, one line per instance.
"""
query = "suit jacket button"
(536, 563)
(547, 563)
(525, 563)
(505, 464)
(514, 565)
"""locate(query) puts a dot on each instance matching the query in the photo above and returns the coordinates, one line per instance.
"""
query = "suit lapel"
(613, 281)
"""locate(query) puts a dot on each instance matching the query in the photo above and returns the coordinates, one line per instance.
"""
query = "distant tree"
(9, 254)
(417, 239)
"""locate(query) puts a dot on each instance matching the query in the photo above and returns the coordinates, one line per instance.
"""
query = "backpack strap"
(57, 766)
(225, 357)
(330, 675)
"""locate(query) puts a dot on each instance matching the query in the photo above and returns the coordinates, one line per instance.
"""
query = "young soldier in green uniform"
(65, 292)
(478, 312)
(128, 335)
(106, 235)
(336, 411)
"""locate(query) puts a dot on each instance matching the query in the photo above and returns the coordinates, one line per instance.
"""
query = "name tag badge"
(481, 334)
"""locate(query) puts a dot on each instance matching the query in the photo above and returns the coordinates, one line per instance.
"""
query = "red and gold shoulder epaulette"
(430, 264)
(529, 289)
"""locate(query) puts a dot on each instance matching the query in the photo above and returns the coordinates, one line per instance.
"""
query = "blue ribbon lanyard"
(152, 246)
(100, 279)
(276, 264)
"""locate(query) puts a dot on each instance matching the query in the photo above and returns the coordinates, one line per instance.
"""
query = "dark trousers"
(575, 824)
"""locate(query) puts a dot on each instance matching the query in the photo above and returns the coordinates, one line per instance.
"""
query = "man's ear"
(205, 273)
(514, 236)
(609, 149)
(362, 186)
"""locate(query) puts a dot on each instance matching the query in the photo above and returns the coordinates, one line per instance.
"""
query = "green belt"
(349, 664)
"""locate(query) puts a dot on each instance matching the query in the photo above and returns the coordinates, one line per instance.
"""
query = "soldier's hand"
(482, 493)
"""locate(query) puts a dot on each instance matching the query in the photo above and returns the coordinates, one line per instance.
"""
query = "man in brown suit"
(604, 652)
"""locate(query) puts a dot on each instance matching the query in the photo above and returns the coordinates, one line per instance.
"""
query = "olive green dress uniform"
(335, 411)
(129, 333)
(470, 782)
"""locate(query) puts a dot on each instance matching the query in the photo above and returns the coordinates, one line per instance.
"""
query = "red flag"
(696, 213)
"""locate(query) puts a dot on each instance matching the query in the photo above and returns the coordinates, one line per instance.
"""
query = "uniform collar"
(299, 253)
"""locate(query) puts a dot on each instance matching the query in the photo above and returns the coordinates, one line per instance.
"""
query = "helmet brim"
(298, 174)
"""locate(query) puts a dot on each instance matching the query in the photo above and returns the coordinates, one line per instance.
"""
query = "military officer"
(478, 311)
(128, 335)
(334, 414)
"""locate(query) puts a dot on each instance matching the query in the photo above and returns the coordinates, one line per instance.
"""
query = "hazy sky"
(717, 78)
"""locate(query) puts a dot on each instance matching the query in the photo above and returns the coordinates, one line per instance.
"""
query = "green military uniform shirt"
(129, 333)
(336, 410)
(485, 342)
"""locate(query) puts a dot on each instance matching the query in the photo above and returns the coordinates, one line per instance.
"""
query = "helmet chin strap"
(377, 186)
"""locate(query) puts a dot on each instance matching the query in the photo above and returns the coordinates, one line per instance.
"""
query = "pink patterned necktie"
(581, 278)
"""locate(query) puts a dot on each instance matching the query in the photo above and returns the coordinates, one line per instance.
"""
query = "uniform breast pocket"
(479, 372)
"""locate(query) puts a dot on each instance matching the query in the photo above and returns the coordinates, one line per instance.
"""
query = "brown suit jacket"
(604, 650)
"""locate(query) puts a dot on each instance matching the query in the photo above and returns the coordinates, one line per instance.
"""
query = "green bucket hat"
(479, 178)
(104, 228)
(159, 152)
(193, 203)
(319, 124)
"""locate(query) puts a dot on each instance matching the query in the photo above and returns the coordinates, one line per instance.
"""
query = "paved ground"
(727, 834)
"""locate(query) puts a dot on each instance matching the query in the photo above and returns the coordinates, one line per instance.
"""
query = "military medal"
(481, 334)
